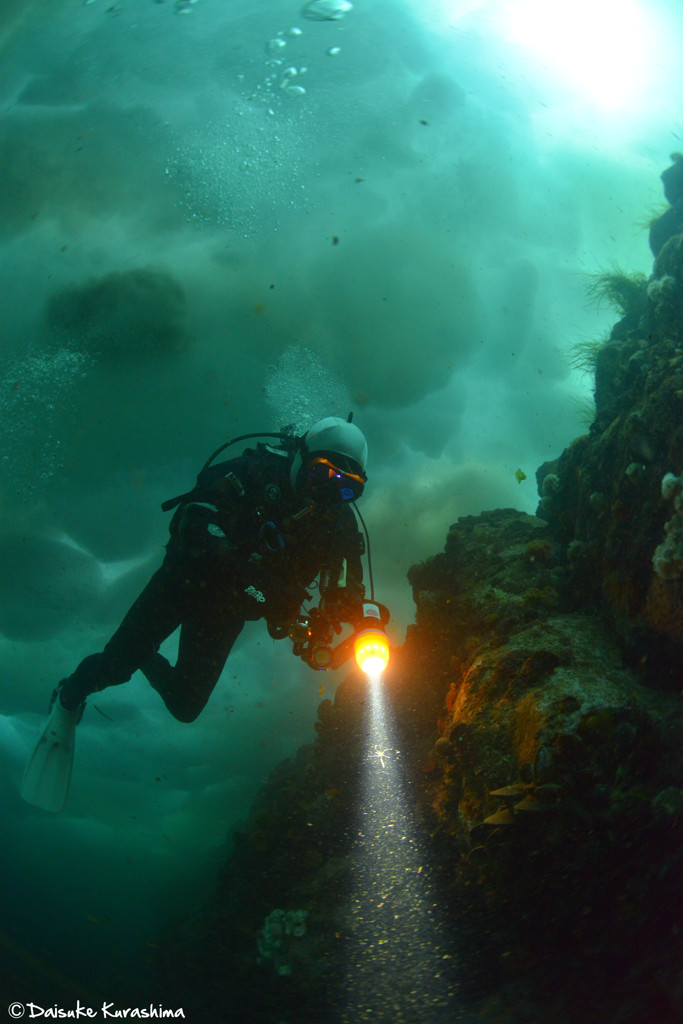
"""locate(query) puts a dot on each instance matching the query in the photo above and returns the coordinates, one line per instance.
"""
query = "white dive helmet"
(335, 436)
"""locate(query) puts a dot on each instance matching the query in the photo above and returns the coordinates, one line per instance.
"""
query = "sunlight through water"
(594, 55)
(599, 50)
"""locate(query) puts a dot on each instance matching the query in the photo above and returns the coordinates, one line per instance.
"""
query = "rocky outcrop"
(556, 799)
(670, 223)
(613, 496)
(546, 777)
(536, 706)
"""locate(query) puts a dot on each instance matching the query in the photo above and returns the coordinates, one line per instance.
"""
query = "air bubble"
(326, 10)
(300, 389)
(292, 90)
(36, 401)
(218, 189)
(276, 45)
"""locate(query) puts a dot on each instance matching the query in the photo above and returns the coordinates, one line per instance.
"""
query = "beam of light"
(400, 965)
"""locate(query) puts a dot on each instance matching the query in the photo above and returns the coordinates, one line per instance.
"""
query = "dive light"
(370, 644)
(313, 636)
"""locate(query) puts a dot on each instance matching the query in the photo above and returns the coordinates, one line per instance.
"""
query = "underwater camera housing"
(313, 636)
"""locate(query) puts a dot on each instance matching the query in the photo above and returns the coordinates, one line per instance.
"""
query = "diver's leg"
(152, 617)
(205, 643)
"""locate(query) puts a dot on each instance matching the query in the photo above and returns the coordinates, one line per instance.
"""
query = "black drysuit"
(242, 546)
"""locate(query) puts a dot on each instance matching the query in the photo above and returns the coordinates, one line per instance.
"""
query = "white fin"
(48, 773)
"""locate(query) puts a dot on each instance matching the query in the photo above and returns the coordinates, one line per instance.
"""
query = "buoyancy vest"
(248, 504)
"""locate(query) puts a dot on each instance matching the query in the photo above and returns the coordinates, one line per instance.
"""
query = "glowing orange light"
(371, 648)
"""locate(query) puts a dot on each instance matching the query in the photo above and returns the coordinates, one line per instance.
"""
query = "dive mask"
(340, 484)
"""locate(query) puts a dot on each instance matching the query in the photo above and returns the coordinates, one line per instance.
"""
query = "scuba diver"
(249, 540)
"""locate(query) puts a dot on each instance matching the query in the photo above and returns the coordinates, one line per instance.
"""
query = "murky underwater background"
(218, 217)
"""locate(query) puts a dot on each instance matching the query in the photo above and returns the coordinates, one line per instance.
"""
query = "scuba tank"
(289, 443)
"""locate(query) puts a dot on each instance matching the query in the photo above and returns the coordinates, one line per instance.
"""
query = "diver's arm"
(341, 585)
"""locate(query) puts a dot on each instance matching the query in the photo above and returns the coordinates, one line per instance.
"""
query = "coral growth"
(668, 557)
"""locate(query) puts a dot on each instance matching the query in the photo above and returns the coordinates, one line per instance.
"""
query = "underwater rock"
(665, 227)
(277, 939)
(665, 290)
(548, 818)
(620, 535)
(671, 221)
(672, 179)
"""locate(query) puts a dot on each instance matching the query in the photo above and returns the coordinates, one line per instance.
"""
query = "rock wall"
(555, 804)
(614, 496)
(536, 703)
